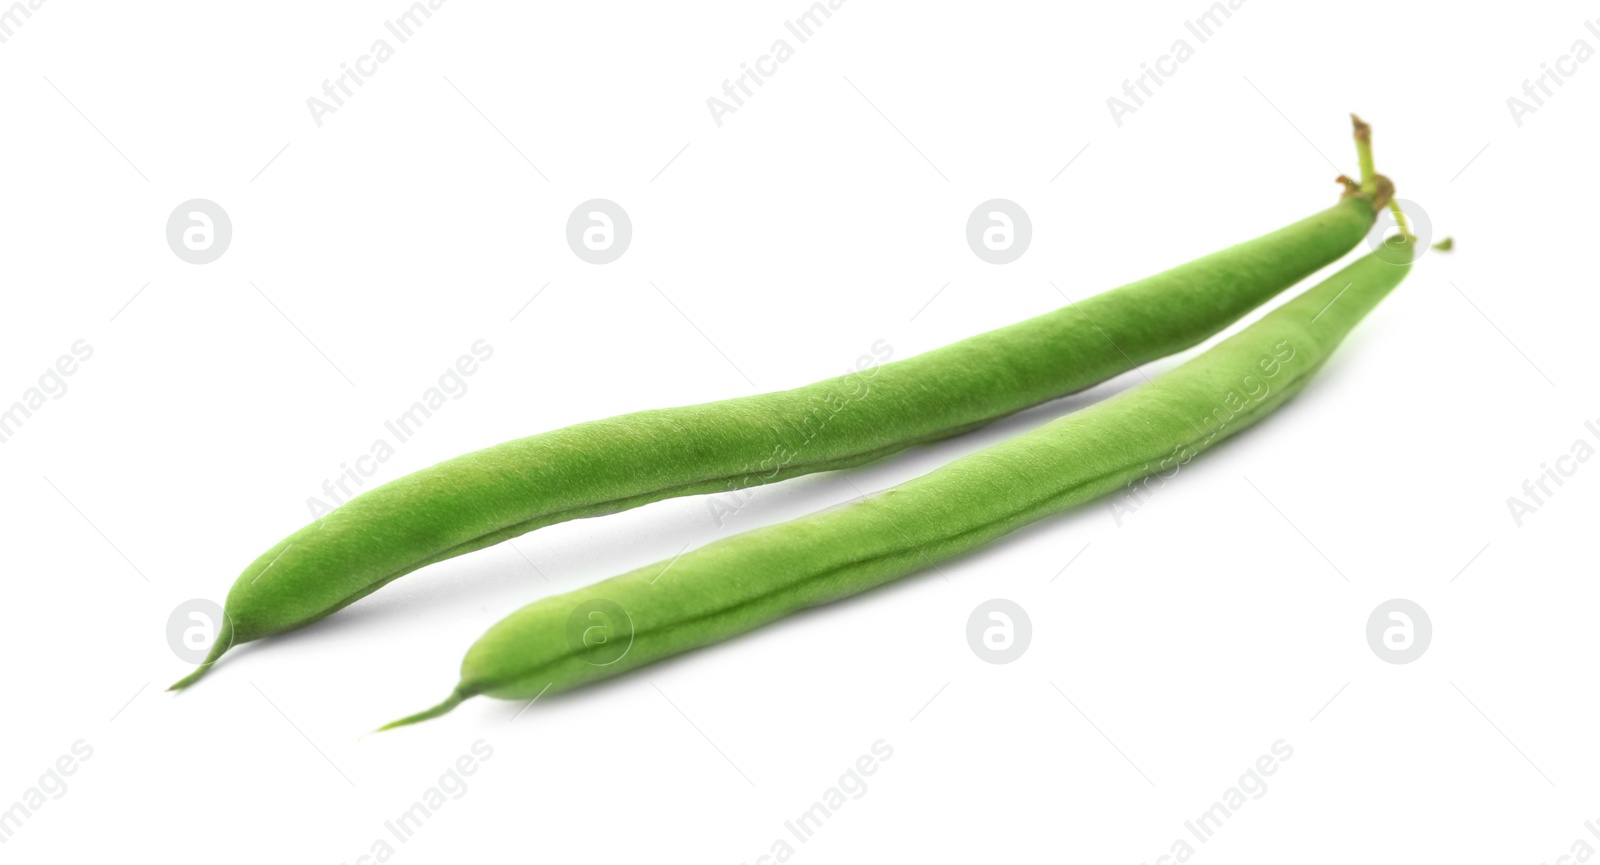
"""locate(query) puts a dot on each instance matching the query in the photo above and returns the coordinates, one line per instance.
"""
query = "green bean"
(742, 582)
(601, 467)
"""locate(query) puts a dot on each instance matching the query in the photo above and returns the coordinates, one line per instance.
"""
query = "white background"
(1170, 654)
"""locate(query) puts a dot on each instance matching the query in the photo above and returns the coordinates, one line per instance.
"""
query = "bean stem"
(1369, 170)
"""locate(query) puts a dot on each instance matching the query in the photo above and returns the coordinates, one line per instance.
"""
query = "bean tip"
(451, 702)
(190, 679)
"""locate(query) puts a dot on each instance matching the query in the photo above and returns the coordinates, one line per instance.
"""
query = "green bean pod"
(734, 585)
(601, 467)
